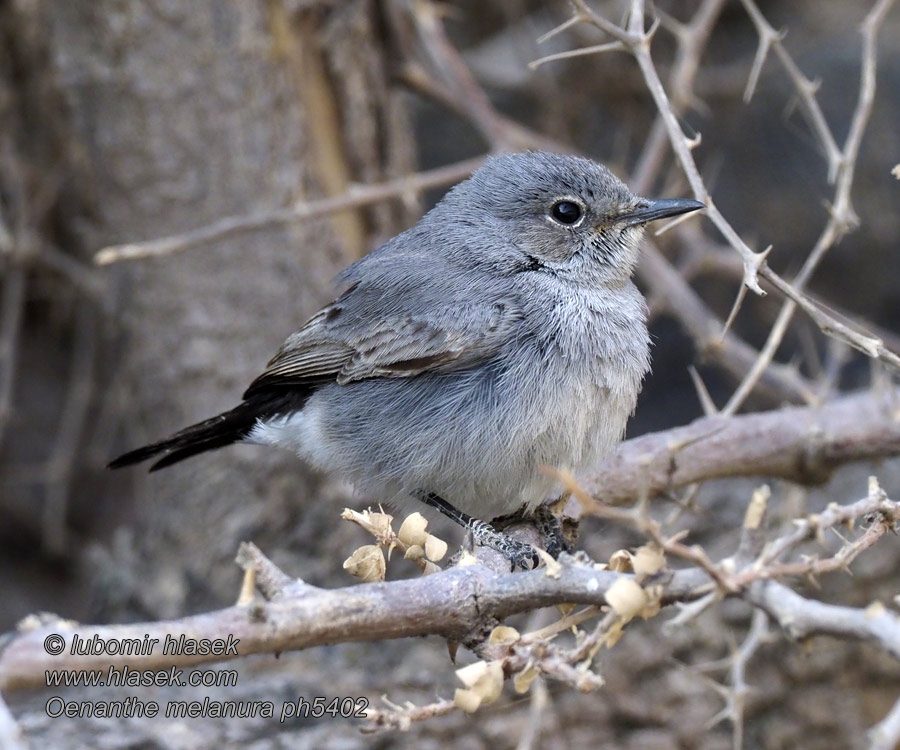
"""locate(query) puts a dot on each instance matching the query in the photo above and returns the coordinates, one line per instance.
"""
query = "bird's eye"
(566, 212)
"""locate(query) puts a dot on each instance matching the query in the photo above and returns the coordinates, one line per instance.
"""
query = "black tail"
(225, 429)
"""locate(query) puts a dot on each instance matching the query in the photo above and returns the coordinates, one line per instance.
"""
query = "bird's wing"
(348, 340)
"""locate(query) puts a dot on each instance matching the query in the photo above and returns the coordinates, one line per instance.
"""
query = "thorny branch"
(842, 218)
(638, 43)
(735, 693)
(801, 444)
(463, 602)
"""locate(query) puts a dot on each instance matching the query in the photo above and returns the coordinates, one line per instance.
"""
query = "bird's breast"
(585, 362)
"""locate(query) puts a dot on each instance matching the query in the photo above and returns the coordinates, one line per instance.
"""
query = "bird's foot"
(547, 524)
(519, 554)
(551, 530)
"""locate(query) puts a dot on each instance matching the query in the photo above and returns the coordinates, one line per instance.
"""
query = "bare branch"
(806, 89)
(356, 197)
(802, 444)
(692, 39)
(402, 717)
(842, 167)
(732, 353)
(452, 603)
(736, 693)
(865, 342)
(802, 618)
(596, 49)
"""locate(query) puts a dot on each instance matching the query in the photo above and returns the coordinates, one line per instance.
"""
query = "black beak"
(659, 209)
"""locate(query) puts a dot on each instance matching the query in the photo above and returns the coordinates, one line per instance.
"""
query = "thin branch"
(865, 342)
(736, 693)
(842, 167)
(812, 568)
(540, 699)
(692, 41)
(596, 49)
(402, 717)
(355, 197)
(814, 526)
(638, 42)
(666, 285)
(806, 89)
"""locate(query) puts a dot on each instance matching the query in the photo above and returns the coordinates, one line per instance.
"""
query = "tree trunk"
(183, 114)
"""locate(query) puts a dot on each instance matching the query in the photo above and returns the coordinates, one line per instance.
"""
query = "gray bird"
(499, 335)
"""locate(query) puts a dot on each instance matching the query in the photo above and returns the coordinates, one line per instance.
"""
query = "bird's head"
(566, 215)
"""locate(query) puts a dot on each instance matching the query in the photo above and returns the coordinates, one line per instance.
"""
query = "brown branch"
(815, 525)
(453, 604)
(802, 444)
(230, 226)
(457, 604)
(887, 515)
(460, 601)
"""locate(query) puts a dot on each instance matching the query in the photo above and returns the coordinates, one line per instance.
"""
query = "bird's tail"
(224, 429)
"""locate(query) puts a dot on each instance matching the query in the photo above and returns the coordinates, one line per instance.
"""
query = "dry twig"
(356, 197)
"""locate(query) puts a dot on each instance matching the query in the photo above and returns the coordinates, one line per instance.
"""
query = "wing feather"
(337, 346)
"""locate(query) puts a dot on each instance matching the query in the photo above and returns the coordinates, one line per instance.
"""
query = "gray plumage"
(487, 341)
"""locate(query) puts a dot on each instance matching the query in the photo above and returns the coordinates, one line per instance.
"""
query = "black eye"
(566, 212)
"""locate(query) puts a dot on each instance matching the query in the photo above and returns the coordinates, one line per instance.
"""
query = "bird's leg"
(518, 553)
(547, 524)
(551, 529)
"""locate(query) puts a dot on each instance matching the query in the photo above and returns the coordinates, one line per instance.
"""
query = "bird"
(500, 335)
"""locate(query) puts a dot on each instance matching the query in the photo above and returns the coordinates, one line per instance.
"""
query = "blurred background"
(129, 121)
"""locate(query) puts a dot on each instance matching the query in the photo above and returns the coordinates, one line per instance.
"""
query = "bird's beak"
(659, 209)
